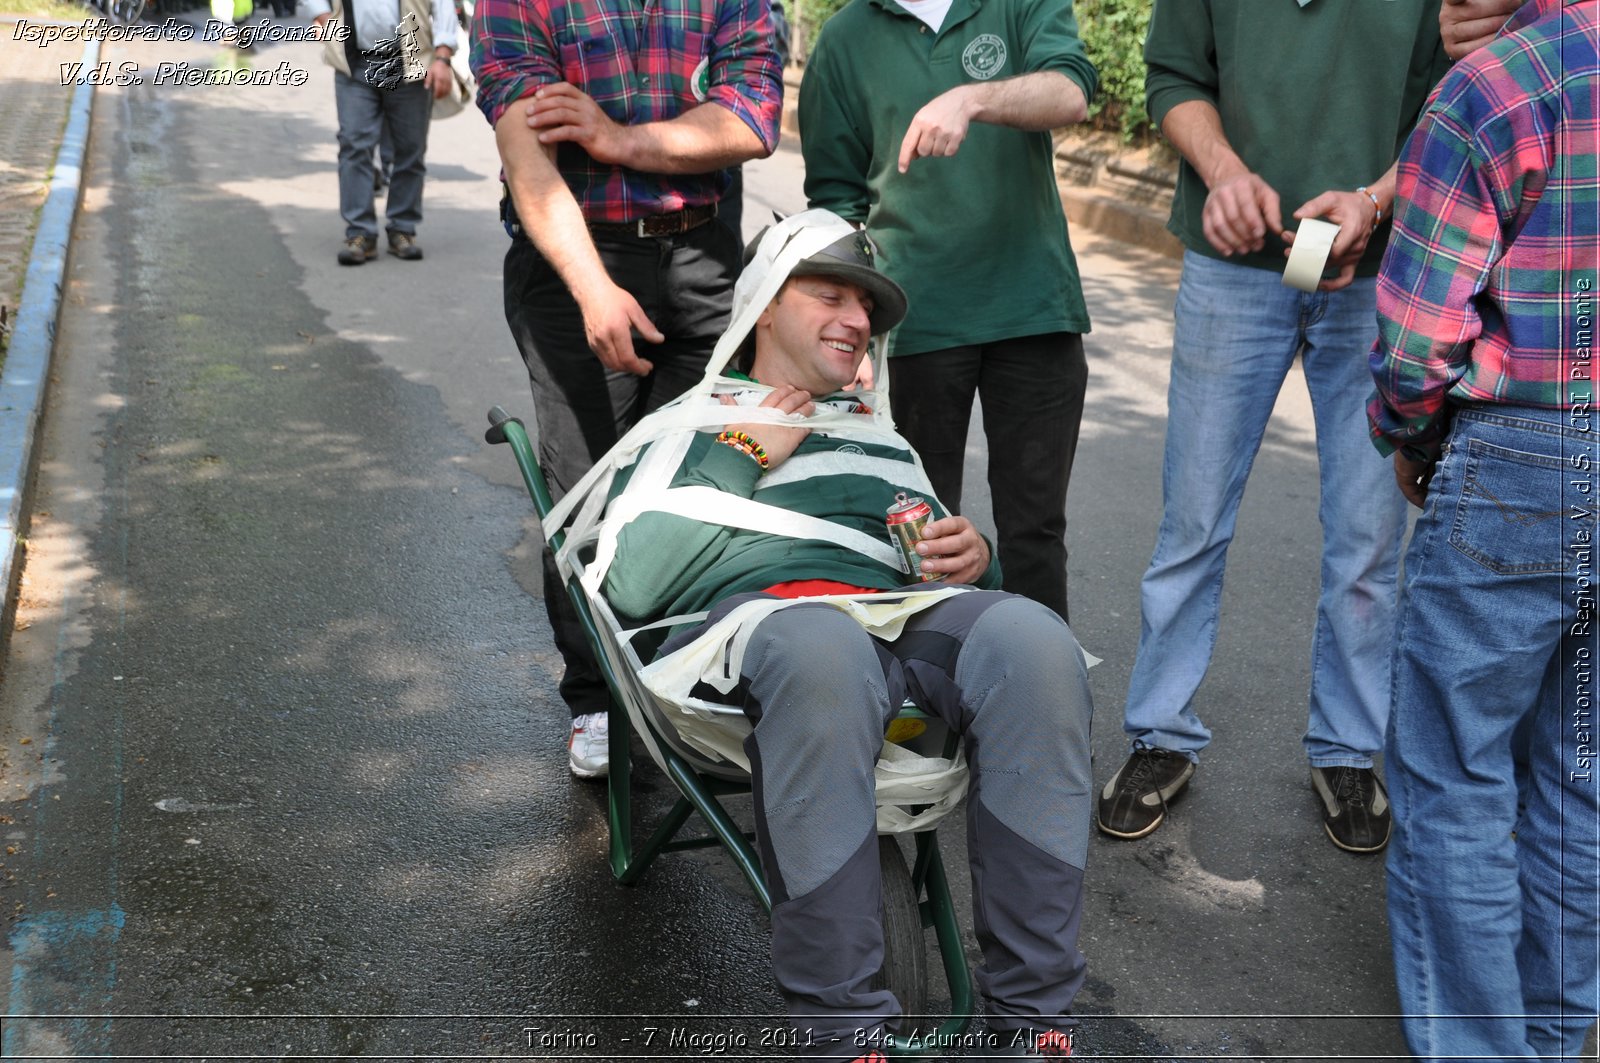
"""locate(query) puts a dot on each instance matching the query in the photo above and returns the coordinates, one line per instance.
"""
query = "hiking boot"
(404, 246)
(358, 249)
(1355, 808)
(1134, 802)
(589, 748)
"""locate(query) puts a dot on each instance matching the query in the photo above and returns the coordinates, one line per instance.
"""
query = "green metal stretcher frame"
(699, 794)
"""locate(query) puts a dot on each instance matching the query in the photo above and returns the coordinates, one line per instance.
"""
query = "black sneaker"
(1355, 808)
(404, 246)
(358, 249)
(1134, 802)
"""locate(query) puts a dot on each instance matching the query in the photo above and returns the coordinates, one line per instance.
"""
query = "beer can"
(906, 519)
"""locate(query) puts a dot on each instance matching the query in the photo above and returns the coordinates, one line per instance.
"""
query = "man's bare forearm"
(1043, 100)
(700, 140)
(1195, 128)
(548, 212)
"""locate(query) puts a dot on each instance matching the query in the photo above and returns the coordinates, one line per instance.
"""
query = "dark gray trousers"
(1032, 389)
(1007, 674)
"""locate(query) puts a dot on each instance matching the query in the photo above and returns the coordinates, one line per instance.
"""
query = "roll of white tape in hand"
(1308, 256)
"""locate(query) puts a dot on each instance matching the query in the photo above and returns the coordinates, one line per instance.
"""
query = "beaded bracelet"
(747, 445)
(1377, 217)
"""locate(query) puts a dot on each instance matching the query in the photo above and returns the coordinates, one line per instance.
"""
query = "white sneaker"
(589, 748)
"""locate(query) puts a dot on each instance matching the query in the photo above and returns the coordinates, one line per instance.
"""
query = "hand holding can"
(906, 519)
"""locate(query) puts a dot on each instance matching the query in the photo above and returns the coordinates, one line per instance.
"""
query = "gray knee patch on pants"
(1023, 677)
(817, 684)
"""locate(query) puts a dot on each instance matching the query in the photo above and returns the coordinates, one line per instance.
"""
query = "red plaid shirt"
(1488, 286)
(641, 61)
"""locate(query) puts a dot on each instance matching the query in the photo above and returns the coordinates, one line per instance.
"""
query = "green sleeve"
(837, 152)
(1180, 55)
(990, 580)
(661, 555)
(1050, 42)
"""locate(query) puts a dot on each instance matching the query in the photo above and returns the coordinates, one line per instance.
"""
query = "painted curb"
(27, 369)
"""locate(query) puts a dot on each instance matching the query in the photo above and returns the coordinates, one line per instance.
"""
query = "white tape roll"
(1308, 257)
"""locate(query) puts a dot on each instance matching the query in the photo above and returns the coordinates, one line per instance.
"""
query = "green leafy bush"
(1113, 34)
(813, 13)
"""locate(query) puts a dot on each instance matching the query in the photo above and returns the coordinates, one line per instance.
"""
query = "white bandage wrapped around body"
(655, 448)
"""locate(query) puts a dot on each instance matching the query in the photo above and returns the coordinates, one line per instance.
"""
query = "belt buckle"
(661, 226)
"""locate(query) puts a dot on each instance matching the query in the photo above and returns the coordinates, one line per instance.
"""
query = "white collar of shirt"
(930, 11)
(373, 20)
(379, 20)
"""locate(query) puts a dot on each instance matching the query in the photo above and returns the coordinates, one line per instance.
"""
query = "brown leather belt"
(679, 221)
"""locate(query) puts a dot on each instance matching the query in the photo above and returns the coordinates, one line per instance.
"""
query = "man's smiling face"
(814, 334)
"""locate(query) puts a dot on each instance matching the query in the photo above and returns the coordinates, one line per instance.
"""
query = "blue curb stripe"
(32, 341)
(61, 966)
(60, 958)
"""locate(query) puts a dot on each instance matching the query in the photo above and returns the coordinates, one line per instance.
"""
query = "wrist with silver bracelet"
(1377, 208)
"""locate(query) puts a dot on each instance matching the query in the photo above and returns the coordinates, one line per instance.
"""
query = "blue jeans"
(1237, 332)
(1494, 867)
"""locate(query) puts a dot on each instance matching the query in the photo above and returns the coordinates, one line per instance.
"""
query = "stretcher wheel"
(905, 961)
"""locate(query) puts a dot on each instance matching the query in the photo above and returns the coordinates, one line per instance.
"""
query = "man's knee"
(1023, 674)
(356, 139)
(816, 693)
(1028, 649)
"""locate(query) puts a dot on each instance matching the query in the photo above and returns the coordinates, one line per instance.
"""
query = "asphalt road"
(281, 764)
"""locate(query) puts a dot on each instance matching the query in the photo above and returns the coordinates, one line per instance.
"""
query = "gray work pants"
(1007, 674)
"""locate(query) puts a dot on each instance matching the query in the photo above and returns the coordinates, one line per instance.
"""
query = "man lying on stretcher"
(1003, 671)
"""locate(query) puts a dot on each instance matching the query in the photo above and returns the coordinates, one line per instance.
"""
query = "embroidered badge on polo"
(984, 56)
(700, 80)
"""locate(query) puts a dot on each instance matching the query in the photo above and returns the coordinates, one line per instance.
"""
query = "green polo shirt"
(977, 240)
(1312, 97)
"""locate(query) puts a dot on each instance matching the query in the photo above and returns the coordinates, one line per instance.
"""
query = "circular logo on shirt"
(984, 57)
(851, 448)
(700, 80)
